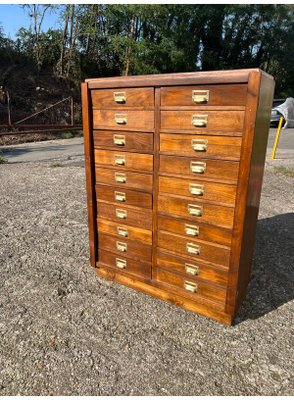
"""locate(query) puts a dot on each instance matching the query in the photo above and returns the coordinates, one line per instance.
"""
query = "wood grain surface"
(218, 95)
(206, 191)
(135, 98)
(124, 160)
(231, 121)
(133, 216)
(131, 141)
(224, 148)
(135, 120)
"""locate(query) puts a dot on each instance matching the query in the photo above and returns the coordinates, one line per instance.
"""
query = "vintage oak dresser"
(174, 167)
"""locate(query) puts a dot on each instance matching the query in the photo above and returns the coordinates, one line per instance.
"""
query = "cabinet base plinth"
(162, 294)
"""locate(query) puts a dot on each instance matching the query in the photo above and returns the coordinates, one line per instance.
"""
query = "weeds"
(3, 160)
(286, 171)
(67, 135)
(56, 165)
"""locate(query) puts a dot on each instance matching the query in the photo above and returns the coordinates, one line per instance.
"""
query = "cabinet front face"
(170, 169)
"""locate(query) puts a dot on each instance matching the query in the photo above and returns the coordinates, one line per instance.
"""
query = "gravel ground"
(64, 331)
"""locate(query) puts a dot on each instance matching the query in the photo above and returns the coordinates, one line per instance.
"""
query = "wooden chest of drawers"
(174, 167)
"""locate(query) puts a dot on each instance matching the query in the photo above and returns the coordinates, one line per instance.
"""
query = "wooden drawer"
(230, 121)
(125, 247)
(124, 160)
(196, 211)
(227, 148)
(125, 179)
(189, 268)
(122, 231)
(197, 230)
(133, 216)
(223, 171)
(123, 98)
(124, 264)
(213, 292)
(194, 249)
(123, 197)
(203, 96)
(123, 119)
(206, 191)
(124, 141)
(220, 96)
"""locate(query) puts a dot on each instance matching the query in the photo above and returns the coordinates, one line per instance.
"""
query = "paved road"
(44, 151)
(64, 148)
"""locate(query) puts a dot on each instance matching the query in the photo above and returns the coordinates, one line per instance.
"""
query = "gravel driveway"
(64, 331)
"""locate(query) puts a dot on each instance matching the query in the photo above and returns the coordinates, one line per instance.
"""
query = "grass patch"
(67, 135)
(3, 160)
(286, 171)
(56, 165)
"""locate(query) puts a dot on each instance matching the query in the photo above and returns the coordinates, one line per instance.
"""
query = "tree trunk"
(129, 48)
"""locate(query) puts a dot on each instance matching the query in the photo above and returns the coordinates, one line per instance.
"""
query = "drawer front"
(230, 121)
(123, 197)
(207, 191)
(123, 119)
(124, 264)
(193, 230)
(190, 268)
(203, 96)
(123, 98)
(122, 231)
(124, 160)
(196, 250)
(124, 141)
(124, 179)
(224, 171)
(126, 215)
(191, 287)
(125, 247)
(201, 146)
(196, 211)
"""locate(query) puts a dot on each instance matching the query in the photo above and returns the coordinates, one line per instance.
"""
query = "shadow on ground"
(272, 277)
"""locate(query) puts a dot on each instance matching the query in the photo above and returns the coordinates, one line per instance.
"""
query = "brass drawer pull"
(120, 177)
(193, 248)
(191, 269)
(197, 190)
(120, 196)
(119, 140)
(199, 144)
(200, 96)
(195, 210)
(120, 119)
(120, 246)
(197, 167)
(122, 231)
(191, 230)
(122, 214)
(200, 120)
(190, 286)
(119, 159)
(122, 264)
(120, 97)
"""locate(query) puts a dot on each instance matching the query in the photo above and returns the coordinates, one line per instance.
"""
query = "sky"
(13, 17)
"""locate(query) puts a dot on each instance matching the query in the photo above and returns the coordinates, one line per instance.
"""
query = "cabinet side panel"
(155, 181)
(242, 189)
(90, 173)
(255, 183)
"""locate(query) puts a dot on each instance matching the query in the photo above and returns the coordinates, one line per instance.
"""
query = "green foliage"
(67, 135)
(105, 40)
(3, 160)
(56, 165)
(286, 171)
